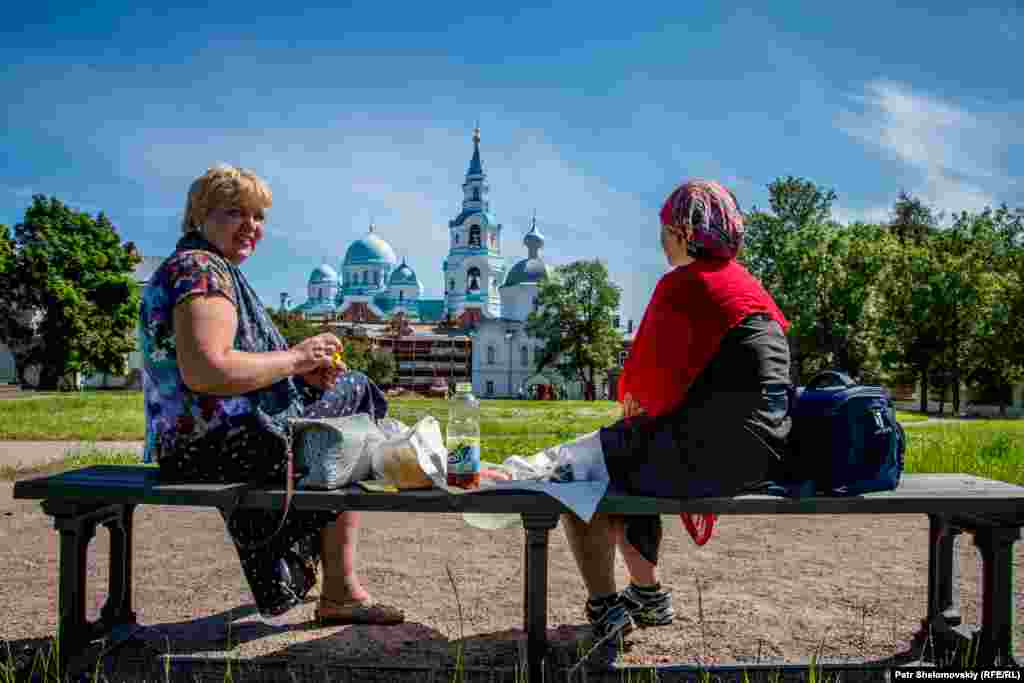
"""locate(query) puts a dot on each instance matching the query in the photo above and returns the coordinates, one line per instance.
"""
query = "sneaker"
(609, 618)
(648, 607)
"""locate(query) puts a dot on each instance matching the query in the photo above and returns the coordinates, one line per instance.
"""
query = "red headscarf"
(713, 212)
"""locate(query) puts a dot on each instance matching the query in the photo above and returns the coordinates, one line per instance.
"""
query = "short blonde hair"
(223, 185)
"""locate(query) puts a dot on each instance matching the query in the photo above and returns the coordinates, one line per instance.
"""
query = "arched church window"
(474, 236)
(451, 285)
(524, 356)
(490, 355)
(376, 277)
(401, 296)
(476, 194)
(473, 279)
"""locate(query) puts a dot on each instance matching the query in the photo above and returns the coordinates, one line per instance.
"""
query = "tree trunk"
(956, 392)
(48, 379)
(924, 388)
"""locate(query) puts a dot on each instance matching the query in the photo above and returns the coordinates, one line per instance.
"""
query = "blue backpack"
(845, 439)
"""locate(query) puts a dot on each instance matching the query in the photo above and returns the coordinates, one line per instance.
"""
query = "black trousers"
(728, 435)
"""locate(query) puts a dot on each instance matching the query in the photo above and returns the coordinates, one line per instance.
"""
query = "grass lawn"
(988, 448)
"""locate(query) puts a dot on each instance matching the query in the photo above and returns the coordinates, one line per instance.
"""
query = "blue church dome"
(323, 274)
(526, 271)
(532, 268)
(370, 249)
(403, 275)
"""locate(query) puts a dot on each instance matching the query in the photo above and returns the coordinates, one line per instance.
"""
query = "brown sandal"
(357, 612)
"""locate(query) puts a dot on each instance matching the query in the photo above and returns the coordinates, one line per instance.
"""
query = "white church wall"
(517, 301)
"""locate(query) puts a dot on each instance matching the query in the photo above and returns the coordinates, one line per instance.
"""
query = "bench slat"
(917, 493)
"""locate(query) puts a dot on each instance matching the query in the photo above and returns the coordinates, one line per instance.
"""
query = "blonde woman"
(219, 385)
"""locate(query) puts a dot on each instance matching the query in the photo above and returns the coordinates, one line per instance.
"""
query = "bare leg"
(593, 547)
(341, 584)
(641, 571)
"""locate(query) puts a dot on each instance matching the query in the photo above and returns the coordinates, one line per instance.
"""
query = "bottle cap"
(464, 387)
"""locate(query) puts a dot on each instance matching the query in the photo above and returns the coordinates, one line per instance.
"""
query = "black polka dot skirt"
(282, 571)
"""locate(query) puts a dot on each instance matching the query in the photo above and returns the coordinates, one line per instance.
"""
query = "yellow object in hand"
(337, 359)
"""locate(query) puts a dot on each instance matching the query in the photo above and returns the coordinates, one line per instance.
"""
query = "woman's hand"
(631, 407)
(316, 354)
(326, 378)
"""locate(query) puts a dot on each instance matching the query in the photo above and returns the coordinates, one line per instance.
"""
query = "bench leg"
(77, 527)
(117, 610)
(535, 590)
(943, 571)
(996, 547)
(73, 631)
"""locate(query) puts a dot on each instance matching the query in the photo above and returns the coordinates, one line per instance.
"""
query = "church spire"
(533, 240)
(475, 167)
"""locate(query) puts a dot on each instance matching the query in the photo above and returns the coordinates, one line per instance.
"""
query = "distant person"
(220, 384)
(704, 403)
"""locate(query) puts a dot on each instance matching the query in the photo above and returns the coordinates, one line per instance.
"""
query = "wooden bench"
(81, 500)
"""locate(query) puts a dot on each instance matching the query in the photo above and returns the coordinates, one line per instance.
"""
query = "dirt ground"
(774, 587)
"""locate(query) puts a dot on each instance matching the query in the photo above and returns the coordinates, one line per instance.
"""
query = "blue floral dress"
(196, 437)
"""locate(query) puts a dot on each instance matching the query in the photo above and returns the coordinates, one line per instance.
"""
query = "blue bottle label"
(464, 457)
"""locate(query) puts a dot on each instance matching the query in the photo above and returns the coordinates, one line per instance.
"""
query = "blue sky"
(589, 115)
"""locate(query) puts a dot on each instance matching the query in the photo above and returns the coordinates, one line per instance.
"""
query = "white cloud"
(864, 214)
(956, 154)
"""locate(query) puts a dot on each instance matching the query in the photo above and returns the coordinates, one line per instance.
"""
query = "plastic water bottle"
(463, 438)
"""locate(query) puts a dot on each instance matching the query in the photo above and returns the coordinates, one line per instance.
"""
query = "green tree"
(833, 270)
(940, 303)
(574, 321)
(992, 357)
(909, 338)
(6, 249)
(912, 219)
(776, 248)
(68, 298)
(294, 328)
(795, 203)
(381, 367)
(377, 364)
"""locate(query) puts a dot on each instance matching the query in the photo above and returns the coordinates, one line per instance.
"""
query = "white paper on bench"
(582, 497)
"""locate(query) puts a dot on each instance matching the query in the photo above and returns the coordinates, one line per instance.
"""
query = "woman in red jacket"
(704, 401)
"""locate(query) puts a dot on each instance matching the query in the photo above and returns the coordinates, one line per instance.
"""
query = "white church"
(483, 297)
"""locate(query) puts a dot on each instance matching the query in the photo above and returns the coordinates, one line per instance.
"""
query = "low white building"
(8, 368)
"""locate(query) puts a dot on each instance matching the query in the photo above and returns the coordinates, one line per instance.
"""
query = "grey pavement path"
(22, 454)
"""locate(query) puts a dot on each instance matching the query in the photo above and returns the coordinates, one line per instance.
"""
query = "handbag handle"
(831, 378)
(289, 492)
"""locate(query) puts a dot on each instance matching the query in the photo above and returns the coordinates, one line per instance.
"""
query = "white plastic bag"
(414, 459)
(334, 449)
(392, 427)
